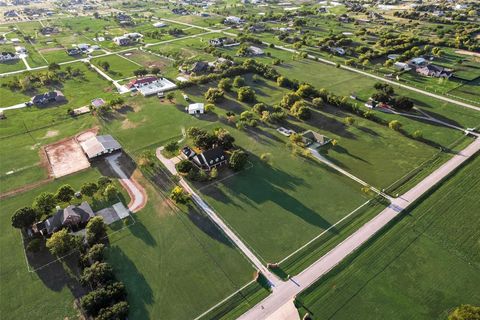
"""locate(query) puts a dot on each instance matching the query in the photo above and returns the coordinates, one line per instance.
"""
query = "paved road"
(17, 106)
(274, 281)
(136, 192)
(288, 290)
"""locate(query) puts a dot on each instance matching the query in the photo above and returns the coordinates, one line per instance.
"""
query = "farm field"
(420, 267)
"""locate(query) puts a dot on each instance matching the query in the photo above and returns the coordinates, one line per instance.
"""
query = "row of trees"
(45, 202)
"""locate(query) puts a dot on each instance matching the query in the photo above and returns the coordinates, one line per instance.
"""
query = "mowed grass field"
(175, 264)
(420, 267)
(277, 207)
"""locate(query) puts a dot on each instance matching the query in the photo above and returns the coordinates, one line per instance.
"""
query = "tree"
(395, 125)
(170, 96)
(259, 108)
(465, 312)
(178, 195)
(384, 87)
(289, 99)
(238, 82)
(117, 311)
(184, 166)
(225, 84)
(94, 254)
(213, 173)
(417, 134)
(214, 95)
(225, 139)
(210, 107)
(349, 121)
(62, 242)
(110, 192)
(296, 139)
(103, 182)
(65, 193)
(45, 202)
(89, 189)
(155, 70)
(237, 160)
(96, 230)
(246, 94)
(300, 110)
(24, 217)
(306, 91)
(103, 297)
(53, 66)
(105, 65)
(140, 72)
(317, 102)
(97, 274)
(403, 103)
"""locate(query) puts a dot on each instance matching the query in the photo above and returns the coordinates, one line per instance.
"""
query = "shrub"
(172, 146)
(178, 195)
(237, 160)
(395, 125)
(246, 94)
(225, 84)
(184, 166)
(238, 82)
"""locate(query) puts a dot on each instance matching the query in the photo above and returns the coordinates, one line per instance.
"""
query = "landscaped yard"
(175, 264)
(421, 267)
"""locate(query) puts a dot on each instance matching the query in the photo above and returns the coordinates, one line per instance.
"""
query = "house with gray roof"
(100, 145)
(72, 217)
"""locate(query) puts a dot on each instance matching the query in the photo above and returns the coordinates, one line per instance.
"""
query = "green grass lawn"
(119, 67)
(175, 265)
(420, 267)
(13, 65)
(24, 294)
(278, 207)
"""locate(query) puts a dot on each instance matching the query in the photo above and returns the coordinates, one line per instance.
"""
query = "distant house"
(218, 42)
(337, 50)
(138, 82)
(100, 145)
(195, 108)
(128, 38)
(97, 102)
(210, 159)
(124, 19)
(255, 51)
(432, 70)
(20, 50)
(83, 47)
(72, 217)
(314, 139)
(48, 30)
(371, 104)
(233, 20)
(48, 97)
(257, 28)
(8, 56)
(150, 85)
(417, 62)
(74, 52)
(402, 66)
(159, 24)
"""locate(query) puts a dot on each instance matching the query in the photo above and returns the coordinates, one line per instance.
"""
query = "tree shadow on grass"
(141, 232)
(58, 274)
(202, 222)
(267, 183)
(139, 292)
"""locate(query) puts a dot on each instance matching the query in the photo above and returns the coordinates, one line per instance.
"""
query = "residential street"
(288, 290)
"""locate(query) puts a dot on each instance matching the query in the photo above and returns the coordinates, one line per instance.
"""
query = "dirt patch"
(84, 136)
(66, 157)
(127, 124)
(51, 49)
(51, 134)
(468, 53)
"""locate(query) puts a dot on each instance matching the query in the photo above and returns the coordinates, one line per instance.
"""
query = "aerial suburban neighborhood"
(240, 159)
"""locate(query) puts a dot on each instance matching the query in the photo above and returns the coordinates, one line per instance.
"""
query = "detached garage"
(100, 145)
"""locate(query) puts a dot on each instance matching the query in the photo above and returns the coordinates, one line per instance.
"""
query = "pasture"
(422, 266)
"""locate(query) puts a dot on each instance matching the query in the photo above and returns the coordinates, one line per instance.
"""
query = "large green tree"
(24, 217)
(45, 202)
(65, 193)
(95, 230)
(62, 242)
(237, 160)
